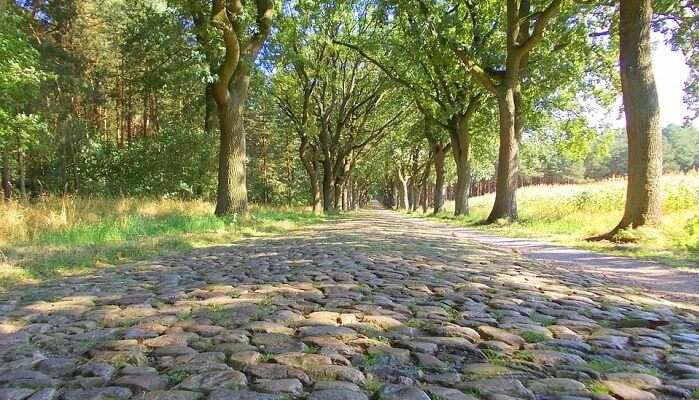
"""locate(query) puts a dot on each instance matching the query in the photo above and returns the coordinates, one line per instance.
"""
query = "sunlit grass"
(570, 213)
(69, 235)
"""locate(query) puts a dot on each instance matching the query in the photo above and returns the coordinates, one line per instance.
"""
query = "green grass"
(606, 366)
(372, 385)
(65, 236)
(598, 387)
(533, 337)
(570, 213)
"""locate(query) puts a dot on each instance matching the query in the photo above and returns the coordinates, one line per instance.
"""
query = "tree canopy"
(322, 103)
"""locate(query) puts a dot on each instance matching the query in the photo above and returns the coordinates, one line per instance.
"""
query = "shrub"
(602, 200)
(680, 198)
(691, 242)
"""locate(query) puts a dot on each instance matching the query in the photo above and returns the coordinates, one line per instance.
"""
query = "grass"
(533, 337)
(372, 385)
(598, 387)
(606, 366)
(61, 236)
(570, 213)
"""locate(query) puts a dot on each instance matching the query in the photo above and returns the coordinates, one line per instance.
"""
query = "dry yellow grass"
(570, 213)
(67, 235)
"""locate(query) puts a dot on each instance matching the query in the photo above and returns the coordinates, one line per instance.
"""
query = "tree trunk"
(463, 183)
(348, 192)
(642, 116)
(461, 148)
(505, 205)
(415, 189)
(403, 200)
(316, 207)
(328, 186)
(328, 165)
(232, 191)
(439, 155)
(312, 171)
(6, 184)
(356, 196)
(343, 195)
(22, 166)
(337, 196)
(395, 199)
(423, 188)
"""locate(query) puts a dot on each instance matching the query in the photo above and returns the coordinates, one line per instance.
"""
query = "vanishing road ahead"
(374, 304)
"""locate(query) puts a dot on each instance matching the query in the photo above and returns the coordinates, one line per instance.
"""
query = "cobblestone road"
(371, 306)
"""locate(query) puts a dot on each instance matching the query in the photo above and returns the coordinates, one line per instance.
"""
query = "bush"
(691, 242)
(679, 198)
(603, 200)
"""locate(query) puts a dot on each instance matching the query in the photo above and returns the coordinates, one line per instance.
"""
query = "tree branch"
(219, 18)
(265, 9)
(538, 33)
(478, 73)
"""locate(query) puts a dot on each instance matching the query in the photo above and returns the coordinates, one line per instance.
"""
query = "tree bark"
(22, 166)
(328, 186)
(311, 166)
(337, 189)
(642, 116)
(232, 194)
(505, 205)
(403, 200)
(461, 147)
(230, 91)
(328, 165)
(6, 183)
(316, 206)
(395, 195)
(423, 187)
(440, 153)
(411, 195)
(343, 195)
(459, 132)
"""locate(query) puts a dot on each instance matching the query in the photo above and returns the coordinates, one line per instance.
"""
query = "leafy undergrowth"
(72, 235)
(570, 213)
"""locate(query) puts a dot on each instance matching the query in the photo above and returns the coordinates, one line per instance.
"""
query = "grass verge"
(71, 235)
(568, 214)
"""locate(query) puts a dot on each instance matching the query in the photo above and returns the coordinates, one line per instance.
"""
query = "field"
(72, 235)
(570, 213)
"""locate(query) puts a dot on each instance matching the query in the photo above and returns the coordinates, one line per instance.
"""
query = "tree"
(524, 29)
(299, 52)
(642, 111)
(504, 49)
(230, 91)
(680, 148)
(19, 82)
(438, 149)
(434, 81)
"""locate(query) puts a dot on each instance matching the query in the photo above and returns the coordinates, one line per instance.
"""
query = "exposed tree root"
(613, 236)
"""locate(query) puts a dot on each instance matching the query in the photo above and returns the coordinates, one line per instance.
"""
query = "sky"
(671, 71)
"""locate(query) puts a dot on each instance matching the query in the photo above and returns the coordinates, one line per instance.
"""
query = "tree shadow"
(391, 283)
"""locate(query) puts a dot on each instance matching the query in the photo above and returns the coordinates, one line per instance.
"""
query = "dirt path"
(376, 305)
(663, 281)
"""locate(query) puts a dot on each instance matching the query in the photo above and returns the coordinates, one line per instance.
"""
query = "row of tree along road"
(370, 98)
